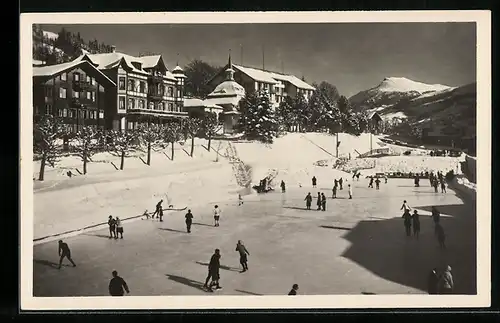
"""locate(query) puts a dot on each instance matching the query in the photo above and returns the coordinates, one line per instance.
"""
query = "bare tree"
(150, 135)
(87, 143)
(171, 134)
(192, 127)
(122, 144)
(46, 134)
(210, 126)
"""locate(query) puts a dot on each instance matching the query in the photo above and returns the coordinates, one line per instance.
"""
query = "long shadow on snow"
(186, 281)
(221, 266)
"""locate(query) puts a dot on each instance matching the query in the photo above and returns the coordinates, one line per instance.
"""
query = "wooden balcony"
(81, 84)
(154, 78)
(155, 96)
(157, 113)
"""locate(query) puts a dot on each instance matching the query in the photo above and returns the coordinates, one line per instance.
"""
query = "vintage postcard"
(247, 160)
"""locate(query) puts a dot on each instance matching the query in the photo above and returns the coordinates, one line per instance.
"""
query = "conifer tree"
(258, 120)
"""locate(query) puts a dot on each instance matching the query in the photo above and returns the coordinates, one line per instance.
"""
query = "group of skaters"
(413, 221)
(115, 227)
(436, 180)
(377, 181)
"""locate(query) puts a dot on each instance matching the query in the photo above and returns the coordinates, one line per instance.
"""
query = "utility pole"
(371, 135)
(241, 54)
(337, 145)
(263, 65)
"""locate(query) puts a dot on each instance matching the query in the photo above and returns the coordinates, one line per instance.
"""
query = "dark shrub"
(450, 175)
(407, 152)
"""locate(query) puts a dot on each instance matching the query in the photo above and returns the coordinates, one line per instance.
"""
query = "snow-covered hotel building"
(146, 91)
(76, 92)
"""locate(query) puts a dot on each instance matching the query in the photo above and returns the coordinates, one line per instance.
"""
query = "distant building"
(374, 119)
(278, 85)
(146, 90)
(76, 91)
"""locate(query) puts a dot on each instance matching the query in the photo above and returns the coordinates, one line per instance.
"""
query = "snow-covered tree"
(86, 142)
(300, 112)
(172, 133)
(150, 136)
(285, 115)
(122, 144)
(46, 133)
(192, 126)
(258, 120)
(209, 127)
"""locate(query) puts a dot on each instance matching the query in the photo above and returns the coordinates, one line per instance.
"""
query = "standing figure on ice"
(377, 183)
(308, 200)
(440, 236)
(435, 215)
(334, 191)
(416, 223)
(407, 222)
(240, 247)
(112, 227)
(158, 208)
(119, 228)
(323, 202)
(314, 181)
(216, 215)
(435, 184)
(64, 251)
(340, 183)
(283, 188)
(189, 220)
(117, 285)
(318, 201)
(349, 190)
(213, 272)
(443, 187)
(370, 185)
(417, 180)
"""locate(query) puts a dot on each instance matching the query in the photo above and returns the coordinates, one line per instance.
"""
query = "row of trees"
(49, 132)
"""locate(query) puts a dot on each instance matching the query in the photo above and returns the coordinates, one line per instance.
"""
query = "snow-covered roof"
(150, 61)
(52, 70)
(295, 81)
(177, 69)
(194, 102)
(233, 100)
(50, 35)
(273, 77)
(228, 88)
(38, 62)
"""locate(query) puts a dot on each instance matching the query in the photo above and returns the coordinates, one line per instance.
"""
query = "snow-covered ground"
(62, 204)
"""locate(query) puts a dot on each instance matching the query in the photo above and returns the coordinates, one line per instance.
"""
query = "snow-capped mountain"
(393, 90)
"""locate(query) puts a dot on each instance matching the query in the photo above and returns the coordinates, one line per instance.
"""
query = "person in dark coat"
(443, 187)
(323, 202)
(340, 183)
(446, 282)
(370, 185)
(417, 181)
(318, 201)
(377, 183)
(440, 235)
(213, 271)
(294, 290)
(435, 215)
(432, 282)
(435, 184)
(308, 200)
(336, 183)
(158, 208)
(407, 222)
(283, 187)
(314, 181)
(416, 223)
(357, 176)
(189, 220)
(334, 192)
(119, 228)
(112, 227)
(64, 252)
(240, 247)
(117, 285)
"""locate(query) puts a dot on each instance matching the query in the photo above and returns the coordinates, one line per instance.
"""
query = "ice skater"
(64, 252)
(294, 290)
(349, 190)
(432, 282)
(416, 223)
(435, 215)
(158, 208)
(189, 220)
(407, 222)
(216, 215)
(318, 201)
(314, 181)
(308, 200)
(446, 281)
(283, 187)
(440, 236)
(443, 187)
(119, 228)
(340, 183)
(240, 200)
(117, 285)
(435, 184)
(405, 207)
(213, 272)
(370, 185)
(385, 179)
(377, 183)
(323, 202)
(112, 227)
(357, 176)
(240, 247)
(334, 192)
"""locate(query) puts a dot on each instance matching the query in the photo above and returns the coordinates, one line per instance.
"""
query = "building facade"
(76, 92)
(146, 91)
(278, 85)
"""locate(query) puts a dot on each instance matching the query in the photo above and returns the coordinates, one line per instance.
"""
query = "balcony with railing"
(155, 95)
(156, 112)
(155, 78)
(81, 84)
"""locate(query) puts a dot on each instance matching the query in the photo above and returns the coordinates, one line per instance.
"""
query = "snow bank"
(463, 185)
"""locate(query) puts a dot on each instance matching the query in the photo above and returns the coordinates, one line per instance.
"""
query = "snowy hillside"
(402, 84)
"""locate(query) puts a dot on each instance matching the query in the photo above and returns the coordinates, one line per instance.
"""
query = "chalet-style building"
(374, 120)
(277, 84)
(75, 91)
(146, 91)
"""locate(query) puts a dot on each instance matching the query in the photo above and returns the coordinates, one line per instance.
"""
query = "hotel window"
(131, 85)
(76, 76)
(142, 87)
(48, 109)
(151, 106)
(161, 106)
(89, 95)
(93, 96)
(64, 77)
(130, 103)
(141, 104)
(62, 93)
(121, 103)
(161, 89)
(91, 114)
(76, 94)
(88, 79)
(101, 114)
(170, 107)
(121, 83)
(170, 91)
(65, 112)
(92, 81)
(48, 92)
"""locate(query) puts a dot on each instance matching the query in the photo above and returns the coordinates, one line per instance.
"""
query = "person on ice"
(336, 183)
(189, 220)
(417, 181)
(323, 202)
(157, 209)
(240, 247)
(213, 272)
(440, 236)
(112, 227)
(64, 252)
(377, 183)
(334, 192)
(294, 290)
(405, 207)
(435, 184)
(370, 185)
(340, 183)
(314, 181)
(407, 222)
(385, 179)
(435, 215)
(283, 188)
(318, 201)
(357, 176)
(308, 200)
(119, 228)
(240, 200)
(349, 190)
(443, 187)
(446, 281)
(416, 223)
(117, 285)
(216, 215)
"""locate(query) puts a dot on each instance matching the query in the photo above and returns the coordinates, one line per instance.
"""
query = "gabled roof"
(373, 114)
(54, 70)
(257, 75)
(150, 61)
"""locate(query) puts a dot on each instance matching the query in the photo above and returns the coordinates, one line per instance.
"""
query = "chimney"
(113, 48)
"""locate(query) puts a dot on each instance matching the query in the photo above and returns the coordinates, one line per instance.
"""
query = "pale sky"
(351, 56)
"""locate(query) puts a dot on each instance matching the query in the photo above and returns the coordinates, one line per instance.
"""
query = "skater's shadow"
(334, 227)
(221, 266)
(186, 281)
(207, 225)
(171, 230)
(48, 263)
(97, 235)
(368, 293)
(249, 293)
(297, 208)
